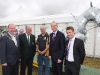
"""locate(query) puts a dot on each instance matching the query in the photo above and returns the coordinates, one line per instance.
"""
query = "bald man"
(28, 50)
(42, 47)
(10, 52)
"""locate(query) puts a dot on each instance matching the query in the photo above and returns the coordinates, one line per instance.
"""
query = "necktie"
(53, 38)
(14, 39)
(28, 40)
(69, 44)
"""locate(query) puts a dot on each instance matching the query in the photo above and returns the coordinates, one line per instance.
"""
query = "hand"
(49, 57)
(19, 59)
(59, 61)
(39, 52)
(5, 64)
(43, 52)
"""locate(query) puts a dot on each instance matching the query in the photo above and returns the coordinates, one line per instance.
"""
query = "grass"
(91, 62)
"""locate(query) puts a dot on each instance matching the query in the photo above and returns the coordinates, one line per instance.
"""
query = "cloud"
(46, 7)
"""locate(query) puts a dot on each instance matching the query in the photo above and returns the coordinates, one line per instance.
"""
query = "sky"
(46, 7)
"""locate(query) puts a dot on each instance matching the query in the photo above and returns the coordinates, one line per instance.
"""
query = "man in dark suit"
(57, 47)
(28, 50)
(74, 53)
(9, 51)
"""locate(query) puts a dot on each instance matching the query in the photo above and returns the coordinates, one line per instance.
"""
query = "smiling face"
(11, 28)
(70, 32)
(54, 26)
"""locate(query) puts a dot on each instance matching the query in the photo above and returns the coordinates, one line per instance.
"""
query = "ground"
(91, 66)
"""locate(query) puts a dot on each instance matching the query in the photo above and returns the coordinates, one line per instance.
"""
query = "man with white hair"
(42, 48)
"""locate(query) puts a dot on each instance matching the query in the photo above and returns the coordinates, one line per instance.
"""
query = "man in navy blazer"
(57, 47)
(10, 54)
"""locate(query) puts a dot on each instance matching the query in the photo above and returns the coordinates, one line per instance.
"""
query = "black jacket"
(26, 50)
(78, 51)
(58, 47)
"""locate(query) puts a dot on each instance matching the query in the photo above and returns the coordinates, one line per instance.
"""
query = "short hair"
(70, 28)
(10, 24)
(54, 22)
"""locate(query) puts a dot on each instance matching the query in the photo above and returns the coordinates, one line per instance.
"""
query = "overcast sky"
(46, 7)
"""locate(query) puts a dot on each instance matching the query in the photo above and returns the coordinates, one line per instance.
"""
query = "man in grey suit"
(10, 52)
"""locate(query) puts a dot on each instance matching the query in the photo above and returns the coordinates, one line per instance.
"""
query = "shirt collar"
(27, 34)
(73, 38)
(55, 32)
(10, 34)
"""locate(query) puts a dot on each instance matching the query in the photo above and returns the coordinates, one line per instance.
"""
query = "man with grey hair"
(57, 48)
(42, 49)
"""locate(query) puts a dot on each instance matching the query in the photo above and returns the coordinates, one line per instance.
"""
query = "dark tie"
(69, 44)
(28, 40)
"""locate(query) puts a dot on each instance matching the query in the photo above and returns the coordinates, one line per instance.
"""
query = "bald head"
(11, 28)
(28, 29)
(43, 29)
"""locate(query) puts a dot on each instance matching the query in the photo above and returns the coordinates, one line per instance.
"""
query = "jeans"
(46, 60)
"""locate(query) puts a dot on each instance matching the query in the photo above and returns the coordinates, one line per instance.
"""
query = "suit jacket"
(26, 50)
(57, 47)
(10, 54)
(78, 51)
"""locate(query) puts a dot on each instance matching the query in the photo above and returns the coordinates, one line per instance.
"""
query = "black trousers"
(70, 68)
(28, 63)
(57, 68)
(10, 69)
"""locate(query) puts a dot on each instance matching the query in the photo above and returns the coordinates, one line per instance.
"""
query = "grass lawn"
(91, 62)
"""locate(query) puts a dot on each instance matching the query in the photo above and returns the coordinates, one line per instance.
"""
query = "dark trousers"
(56, 68)
(10, 69)
(28, 63)
(70, 68)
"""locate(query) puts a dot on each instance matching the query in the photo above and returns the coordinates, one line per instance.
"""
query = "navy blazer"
(57, 47)
(10, 54)
(78, 51)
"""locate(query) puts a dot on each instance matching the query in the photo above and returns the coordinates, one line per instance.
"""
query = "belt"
(70, 61)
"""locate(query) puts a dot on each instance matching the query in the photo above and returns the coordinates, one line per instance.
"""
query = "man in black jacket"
(10, 52)
(57, 48)
(74, 53)
(28, 50)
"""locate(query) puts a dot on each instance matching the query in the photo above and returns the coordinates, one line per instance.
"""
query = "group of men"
(22, 48)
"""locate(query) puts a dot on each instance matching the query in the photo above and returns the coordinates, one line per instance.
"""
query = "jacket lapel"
(30, 39)
(51, 38)
(57, 35)
(75, 41)
(25, 38)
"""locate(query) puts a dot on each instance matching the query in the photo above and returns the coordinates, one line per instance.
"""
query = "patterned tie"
(53, 38)
(28, 40)
(14, 39)
(69, 44)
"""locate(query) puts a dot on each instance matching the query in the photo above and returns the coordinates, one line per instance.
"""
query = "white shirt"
(70, 51)
(55, 32)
